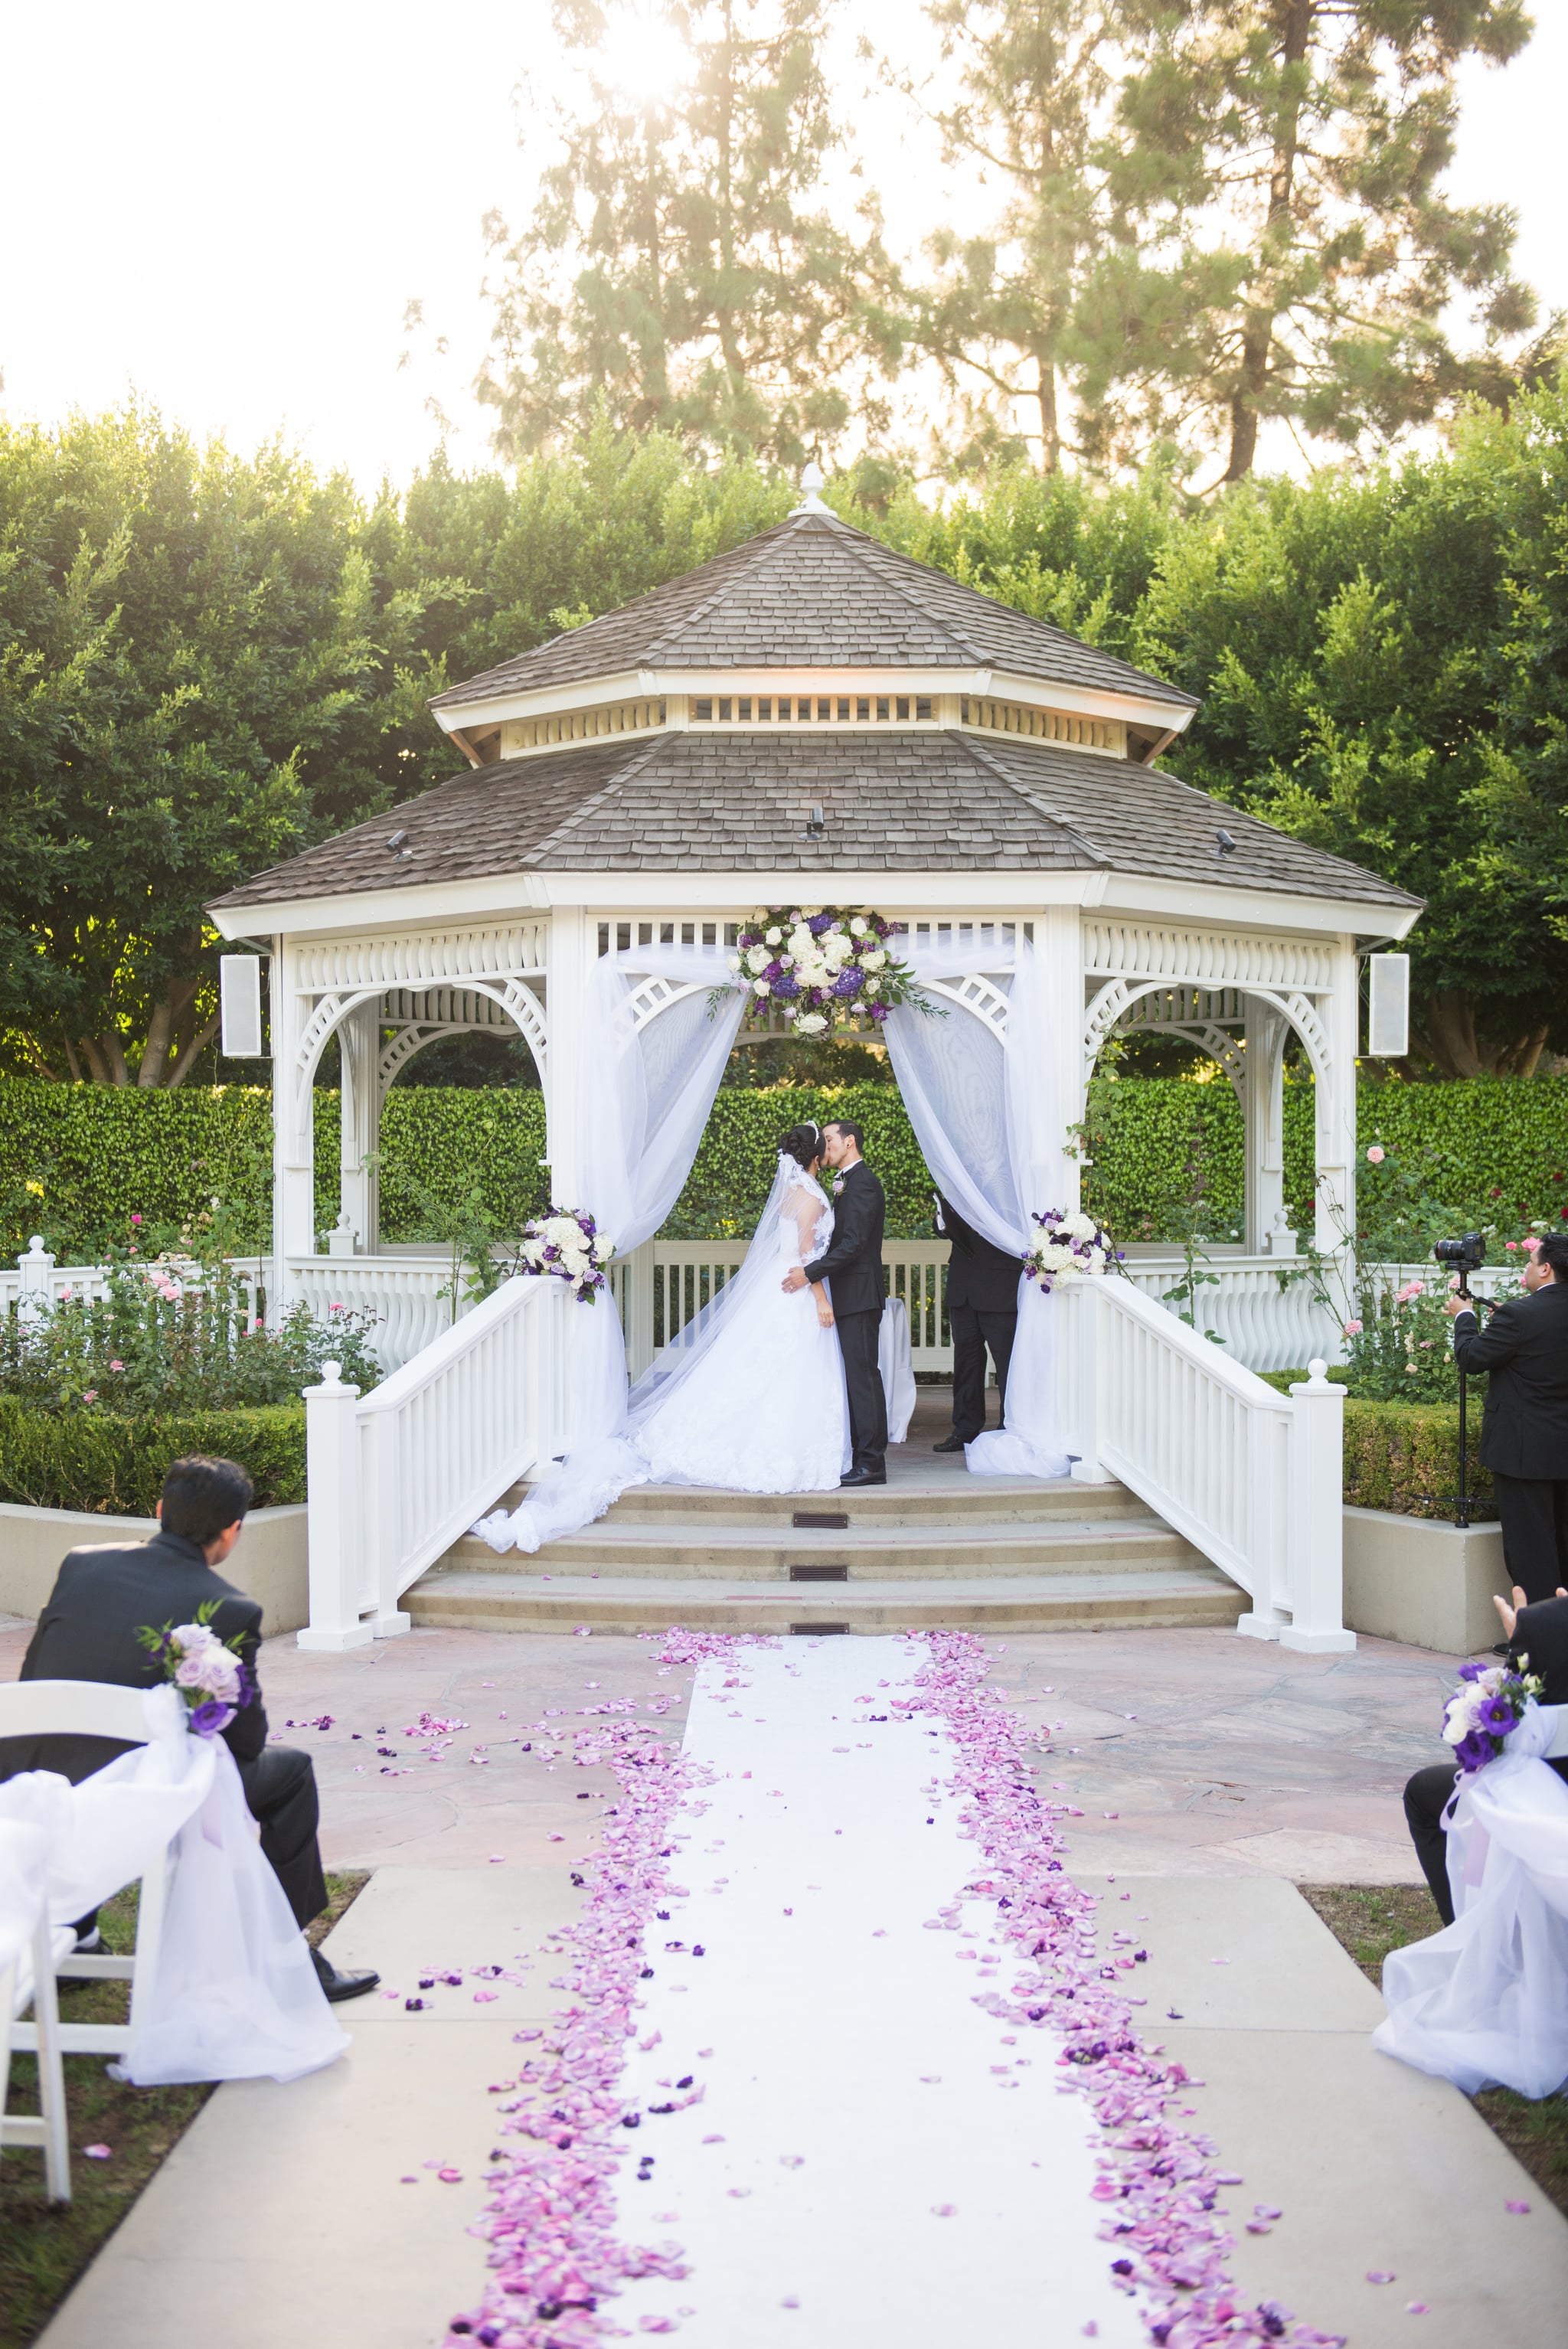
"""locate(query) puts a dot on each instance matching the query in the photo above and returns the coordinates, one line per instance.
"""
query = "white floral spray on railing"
(568, 1244)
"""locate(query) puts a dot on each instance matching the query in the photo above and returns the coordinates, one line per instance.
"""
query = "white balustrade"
(408, 1298)
(395, 1476)
(1251, 1478)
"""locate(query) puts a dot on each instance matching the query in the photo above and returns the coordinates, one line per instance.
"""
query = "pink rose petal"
(1520, 2209)
(98, 2152)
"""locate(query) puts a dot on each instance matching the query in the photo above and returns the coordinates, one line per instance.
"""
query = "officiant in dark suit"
(983, 1315)
(852, 1269)
(103, 1595)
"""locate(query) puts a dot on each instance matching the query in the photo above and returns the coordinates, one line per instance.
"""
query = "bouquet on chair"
(1482, 1714)
(206, 1670)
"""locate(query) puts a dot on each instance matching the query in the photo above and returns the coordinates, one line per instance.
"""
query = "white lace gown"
(763, 1409)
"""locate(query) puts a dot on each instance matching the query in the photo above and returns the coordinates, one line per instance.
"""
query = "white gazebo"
(808, 712)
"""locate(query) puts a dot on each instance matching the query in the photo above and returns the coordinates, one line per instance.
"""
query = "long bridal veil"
(597, 1470)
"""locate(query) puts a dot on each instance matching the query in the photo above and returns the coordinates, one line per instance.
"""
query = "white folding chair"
(28, 1979)
(91, 1709)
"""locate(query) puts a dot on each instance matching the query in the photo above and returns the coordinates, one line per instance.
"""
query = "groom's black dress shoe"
(954, 1443)
(863, 1477)
(338, 1986)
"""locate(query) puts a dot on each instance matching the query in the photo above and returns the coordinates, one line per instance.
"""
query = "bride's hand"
(824, 1313)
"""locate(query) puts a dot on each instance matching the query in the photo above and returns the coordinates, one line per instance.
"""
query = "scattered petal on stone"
(738, 2193)
(1380, 2275)
(98, 2152)
(450, 2176)
(1518, 2210)
(1416, 2308)
(945, 2209)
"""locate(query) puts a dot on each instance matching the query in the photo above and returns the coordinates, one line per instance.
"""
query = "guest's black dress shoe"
(954, 1443)
(864, 1476)
(338, 1986)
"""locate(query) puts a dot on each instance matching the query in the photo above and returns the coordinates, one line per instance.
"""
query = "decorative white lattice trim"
(1106, 735)
(1202, 1015)
(521, 737)
(978, 994)
(1210, 958)
(656, 995)
(424, 958)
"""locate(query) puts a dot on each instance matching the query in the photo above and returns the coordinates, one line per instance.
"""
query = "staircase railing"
(1253, 1478)
(395, 1476)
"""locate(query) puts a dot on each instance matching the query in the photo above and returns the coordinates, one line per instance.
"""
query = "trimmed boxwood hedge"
(98, 1459)
(1493, 1149)
(1404, 1456)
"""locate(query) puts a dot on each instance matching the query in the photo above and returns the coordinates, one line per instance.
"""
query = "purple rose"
(879, 1012)
(207, 1719)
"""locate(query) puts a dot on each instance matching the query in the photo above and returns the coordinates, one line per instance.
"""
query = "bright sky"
(226, 209)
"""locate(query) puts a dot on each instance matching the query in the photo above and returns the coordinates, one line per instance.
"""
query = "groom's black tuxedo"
(852, 1267)
(88, 1632)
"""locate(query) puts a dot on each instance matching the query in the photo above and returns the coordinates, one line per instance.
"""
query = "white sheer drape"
(989, 1123)
(1486, 2001)
(234, 1995)
(648, 1097)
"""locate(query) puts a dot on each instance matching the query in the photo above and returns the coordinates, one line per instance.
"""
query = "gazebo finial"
(811, 482)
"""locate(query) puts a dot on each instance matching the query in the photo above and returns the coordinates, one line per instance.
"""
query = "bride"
(748, 1396)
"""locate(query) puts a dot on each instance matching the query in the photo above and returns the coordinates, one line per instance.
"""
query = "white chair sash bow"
(1486, 2001)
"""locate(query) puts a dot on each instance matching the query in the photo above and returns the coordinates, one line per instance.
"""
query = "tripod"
(1461, 1498)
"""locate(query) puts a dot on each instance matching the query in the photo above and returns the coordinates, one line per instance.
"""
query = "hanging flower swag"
(1071, 1247)
(824, 966)
(568, 1244)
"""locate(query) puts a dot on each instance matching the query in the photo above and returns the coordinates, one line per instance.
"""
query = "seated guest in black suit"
(1539, 1632)
(102, 1596)
(982, 1312)
(1523, 1349)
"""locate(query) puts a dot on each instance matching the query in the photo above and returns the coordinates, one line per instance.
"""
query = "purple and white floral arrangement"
(568, 1244)
(824, 967)
(1485, 1710)
(206, 1670)
(1071, 1248)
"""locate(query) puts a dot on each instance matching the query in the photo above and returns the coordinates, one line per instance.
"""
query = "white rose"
(858, 927)
(762, 986)
(871, 986)
(758, 958)
(775, 935)
(604, 1247)
(810, 912)
(811, 1023)
(735, 962)
(760, 914)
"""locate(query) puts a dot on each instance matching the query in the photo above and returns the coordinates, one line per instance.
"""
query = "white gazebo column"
(1058, 946)
(1335, 1104)
(571, 964)
(1263, 1114)
(294, 1128)
(359, 1050)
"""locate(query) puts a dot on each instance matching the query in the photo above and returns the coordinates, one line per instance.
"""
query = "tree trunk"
(1448, 1039)
(1257, 336)
(1051, 425)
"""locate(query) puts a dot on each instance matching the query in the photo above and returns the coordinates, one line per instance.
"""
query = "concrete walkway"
(1243, 1768)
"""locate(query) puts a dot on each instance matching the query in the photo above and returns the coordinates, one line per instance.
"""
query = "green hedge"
(97, 1460)
(98, 1152)
(1404, 1456)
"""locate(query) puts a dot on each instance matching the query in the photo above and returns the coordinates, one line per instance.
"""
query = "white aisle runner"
(874, 2161)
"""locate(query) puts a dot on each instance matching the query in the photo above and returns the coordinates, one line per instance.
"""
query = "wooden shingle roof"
(812, 592)
(936, 800)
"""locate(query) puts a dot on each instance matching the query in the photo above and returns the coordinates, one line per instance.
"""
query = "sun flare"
(645, 55)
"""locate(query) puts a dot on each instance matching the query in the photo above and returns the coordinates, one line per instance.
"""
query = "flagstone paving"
(1193, 1755)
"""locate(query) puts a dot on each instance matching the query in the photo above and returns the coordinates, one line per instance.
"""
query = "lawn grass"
(1371, 1920)
(44, 2245)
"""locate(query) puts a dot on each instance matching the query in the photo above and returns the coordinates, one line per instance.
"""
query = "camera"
(1464, 1256)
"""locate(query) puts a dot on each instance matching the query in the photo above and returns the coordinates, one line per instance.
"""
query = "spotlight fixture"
(816, 824)
(398, 843)
(1226, 846)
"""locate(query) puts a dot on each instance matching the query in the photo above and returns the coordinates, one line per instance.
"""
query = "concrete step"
(705, 1548)
(1192, 1597)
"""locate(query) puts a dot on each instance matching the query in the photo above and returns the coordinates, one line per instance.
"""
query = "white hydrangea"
(604, 1247)
(758, 958)
(875, 960)
(811, 1023)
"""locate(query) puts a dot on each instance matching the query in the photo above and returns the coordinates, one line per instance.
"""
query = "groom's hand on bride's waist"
(793, 1280)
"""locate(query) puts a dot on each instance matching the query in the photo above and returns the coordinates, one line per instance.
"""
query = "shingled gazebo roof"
(813, 594)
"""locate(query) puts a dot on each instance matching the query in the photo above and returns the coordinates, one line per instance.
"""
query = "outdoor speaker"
(240, 986)
(1388, 1006)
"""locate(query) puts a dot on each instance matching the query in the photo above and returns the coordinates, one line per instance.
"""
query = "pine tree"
(1284, 247)
(672, 273)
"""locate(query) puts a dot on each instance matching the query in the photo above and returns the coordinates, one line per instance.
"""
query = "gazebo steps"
(1192, 1597)
(916, 1490)
(709, 1547)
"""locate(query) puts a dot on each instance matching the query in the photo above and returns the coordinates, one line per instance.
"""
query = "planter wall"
(268, 1561)
(1426, 1583)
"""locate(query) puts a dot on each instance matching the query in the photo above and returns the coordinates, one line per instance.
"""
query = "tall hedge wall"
(1490, 1149)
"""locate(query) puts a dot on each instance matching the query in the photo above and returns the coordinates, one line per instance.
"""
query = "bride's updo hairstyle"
(802, 1143)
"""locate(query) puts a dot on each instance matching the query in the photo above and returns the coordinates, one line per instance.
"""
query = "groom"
(853, 1266)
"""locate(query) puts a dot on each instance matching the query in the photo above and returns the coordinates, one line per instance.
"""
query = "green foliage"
(99, 1460)
(1486, 1151)
(1400, 1349)
(1404, 1456)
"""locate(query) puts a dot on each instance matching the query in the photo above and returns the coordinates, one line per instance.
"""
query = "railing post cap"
(35, 1245)
(332, 1385)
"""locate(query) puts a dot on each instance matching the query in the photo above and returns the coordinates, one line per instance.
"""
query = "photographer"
(1524, 1430)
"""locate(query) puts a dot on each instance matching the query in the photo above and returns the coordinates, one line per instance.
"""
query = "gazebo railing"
(1253, 1478)
(395, 1476)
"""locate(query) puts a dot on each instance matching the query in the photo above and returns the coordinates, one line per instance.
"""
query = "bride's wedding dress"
(750, 1396)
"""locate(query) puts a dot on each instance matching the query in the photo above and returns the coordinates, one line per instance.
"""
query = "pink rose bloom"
(1511, 1245)
(91, 1395)
(1533, 1243)
(116, 1366)
(1353, 1329)
(135, 1219)
(1375, 1154)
